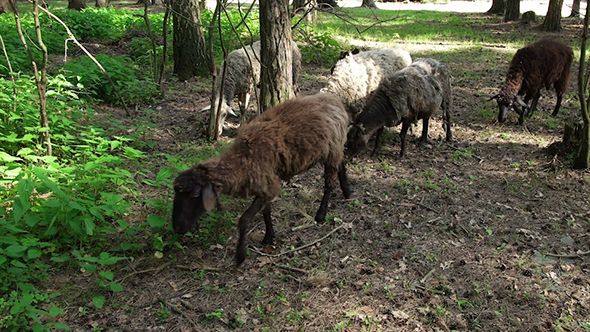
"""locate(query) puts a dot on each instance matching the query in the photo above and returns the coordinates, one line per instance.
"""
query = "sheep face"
(356, 140)
(506, 103)
(193, 196)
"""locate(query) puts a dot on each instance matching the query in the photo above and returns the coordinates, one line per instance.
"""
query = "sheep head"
(356, 140)
(507, 103)
(194, 194)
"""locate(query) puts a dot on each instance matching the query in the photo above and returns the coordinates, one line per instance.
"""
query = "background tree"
(512, 12)
(101, 3)
(190, 54)
(582, 159)
(4, 7)
(307, 8)
(498, 7)
(368, 4)
(276, 83)
(552, 21)
(76, 4)
(575, 9)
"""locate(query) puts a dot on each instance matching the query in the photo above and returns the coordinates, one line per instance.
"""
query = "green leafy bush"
(317, 48)
(83, 72)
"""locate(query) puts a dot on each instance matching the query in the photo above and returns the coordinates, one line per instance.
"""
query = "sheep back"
(357, 75)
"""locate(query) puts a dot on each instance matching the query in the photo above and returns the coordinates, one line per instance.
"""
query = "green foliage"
(316, 47)
(245, 33)
(60, 209)
(84, 73)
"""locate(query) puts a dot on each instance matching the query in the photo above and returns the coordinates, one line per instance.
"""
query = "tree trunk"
(552, 21)
(575, 9)
(498, 7)
(101, 3)
(276, 83)
(76, 4)
(369, 4)
(512, 10)
(582, 159)
(190, 53)
(4, 6)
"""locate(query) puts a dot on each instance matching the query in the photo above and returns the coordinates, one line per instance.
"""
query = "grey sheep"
(243, 76)
(356, 76)
(413, 93)
(282, 142)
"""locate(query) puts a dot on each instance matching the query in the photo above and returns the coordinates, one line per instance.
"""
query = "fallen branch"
(289, 268)
(300, 248)
(568, 256)
(182, 313)
(156, 270)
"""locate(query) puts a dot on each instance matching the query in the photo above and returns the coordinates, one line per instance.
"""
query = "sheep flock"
(365, 93)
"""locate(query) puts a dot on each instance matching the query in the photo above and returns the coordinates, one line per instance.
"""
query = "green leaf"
(55, 310)
(89, 225)
(155, 220)
(107, 275)
(34, 253)
(98, 301)
(164, 174)
(5, 157)
(18, 210)
(15, 251)
(115, 287)
(77, 206)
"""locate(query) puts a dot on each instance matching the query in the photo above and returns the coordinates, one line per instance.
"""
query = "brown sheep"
(545, 63)
(284, 141)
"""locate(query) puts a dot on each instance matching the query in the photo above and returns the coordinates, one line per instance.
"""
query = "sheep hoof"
(268, 239)
(320, 217)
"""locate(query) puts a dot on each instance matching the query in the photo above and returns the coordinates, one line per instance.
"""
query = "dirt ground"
(489, 232)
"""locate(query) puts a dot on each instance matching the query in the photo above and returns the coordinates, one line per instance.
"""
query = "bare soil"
(489, 232)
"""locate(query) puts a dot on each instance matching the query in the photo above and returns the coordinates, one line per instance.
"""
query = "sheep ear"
(208, 197)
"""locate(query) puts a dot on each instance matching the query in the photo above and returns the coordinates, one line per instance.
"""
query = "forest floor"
(489, 232)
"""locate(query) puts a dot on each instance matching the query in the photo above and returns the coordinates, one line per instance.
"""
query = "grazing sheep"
(275, 146)
(412, 93)
(356, 76)
(545, 63)
(241, 78)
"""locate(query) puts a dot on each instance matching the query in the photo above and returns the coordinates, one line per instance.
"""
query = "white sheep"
(356, 76)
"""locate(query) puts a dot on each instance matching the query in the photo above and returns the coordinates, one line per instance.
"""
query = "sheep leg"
(330, 179)
(424, 138)
(257, 204)
(244, 107)
(533, 104)
(343, 180)
(377, 140)
(558, 104)
(269, 235)
(447, 122)
(402, 134)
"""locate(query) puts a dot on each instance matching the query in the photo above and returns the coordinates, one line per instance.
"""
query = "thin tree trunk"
(307, 8)
(164, 51)
(101, 3)
(190, 53)
(552, 21)
(276, 83)
(11, 73)
(41, 81)
(582, 159)
(155, 65)
(498, 7)
(213, 132)
(512, 10)
(4, 6)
